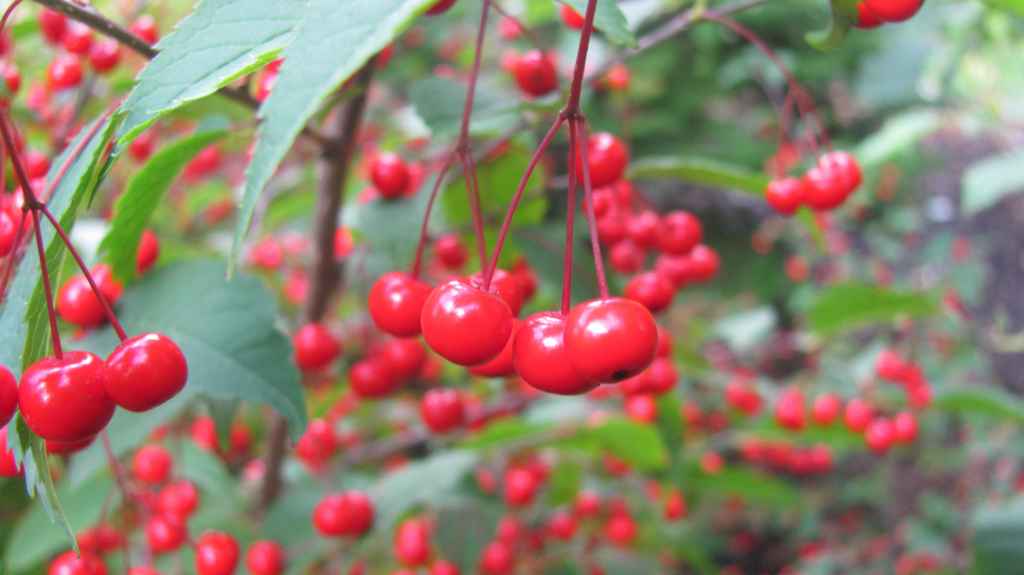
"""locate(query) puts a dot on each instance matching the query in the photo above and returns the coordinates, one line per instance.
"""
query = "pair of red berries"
(348, 514)
(874, 13)
(72, 398)
(824, 187)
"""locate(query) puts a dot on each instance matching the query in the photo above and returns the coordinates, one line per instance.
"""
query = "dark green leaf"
(990, 180)
(852, 305)
(219, 42)
(635, 443)
(609, 19)
(753, 486)
(844, 16)
(564, 482)
(469, 525)
(144, 193)
(227, 330)
(334, 40)
(701, 171)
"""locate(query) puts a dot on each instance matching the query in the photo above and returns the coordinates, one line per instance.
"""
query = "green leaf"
(702, 171)
(1012, 6)
(985, 401)
(35, 538)
(851, 305)
(635, 443)
(844, 16)
(439, 103)
(417, 483)
(334, 41)
(505, 430)
(564, 482)
(899, 134)
(753, 486)
(996, 534)
(992, 179)
(144, 193)
(609, 19)
(468, 525)
(218, 43)
(227, 330)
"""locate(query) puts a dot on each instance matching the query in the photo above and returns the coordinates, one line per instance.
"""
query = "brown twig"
(335, 164)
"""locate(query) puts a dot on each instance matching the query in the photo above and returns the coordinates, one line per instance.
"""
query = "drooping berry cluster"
(824, 187)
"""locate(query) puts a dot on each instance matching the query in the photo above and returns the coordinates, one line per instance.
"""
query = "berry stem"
(417, 262)
(517, 197)
(473, 189)
(107, 309)
(570, 217)
(580, 125)
(573, 105)
(7, 14)
(51, 313)
(118, 472)
(474, 75)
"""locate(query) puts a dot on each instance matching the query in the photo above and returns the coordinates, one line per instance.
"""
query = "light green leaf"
(844, 15)
(852, 305)
(1013, 6)
(609, 19)
(334, 40)
(439, 103)
(144, 193)
(227, 330)
(219, 42)
(990, 180)
(635, 443)
(985, 401)
(700, 171)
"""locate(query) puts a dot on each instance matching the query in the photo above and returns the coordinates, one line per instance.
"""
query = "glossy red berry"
(8, 395)
(440, 7)
(845, 168)
(64, 399)
(348, 514)
(858, 415)
(497, 558)
(412, 543)
(444, 568)
(790, 411)
(520, 487)
(644, 228)
(390, 175)
(216, 554)
(891, 367)
(70, 563)
(743, 396)
(64, 72)
(865, 19)
(178, 500)
(68, 447)
(152, 464)
(318, 443)
(8, 466)
(607, 158)
(464, 324)
(396, 303)
(679, 233)
(145, 27)
(508, 286)
(535, 73)
(620, 530)
(904, 426)
(652, 289)
(501, 365)
(76, 302)
(442, 410)
(822, 189)
(450, 251)
(785, 195)
(77, 38)
(879, 435)
(373, 378)
(53, 25)
(265, 558)
(36, 164)
(626, 257)
(610, 339)
(104, 55)
(145, 371)
(571, 18)
(315, 347)
(825, 409)
(11, 76)
(404, 357)
(541, 358)
(893, 10)
(147, 252)
(165, 533)
(8, 231)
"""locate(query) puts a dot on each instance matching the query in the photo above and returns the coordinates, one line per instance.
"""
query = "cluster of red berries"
(781, 456)
(874, 13)
(824, 187)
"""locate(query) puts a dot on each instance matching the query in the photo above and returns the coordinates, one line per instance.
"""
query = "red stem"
(473, 189)
(7, 14)
(58, 352)
(13, 257)
(570, 218)
(122, 483)
(474, 74)
(417, 262)
(19, 170)
(588, 193)
(573, 105)
(107, 309)
(517, 197)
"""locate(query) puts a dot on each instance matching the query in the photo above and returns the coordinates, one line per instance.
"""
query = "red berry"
(644, 229)
(879, 435)
(145, 371)
(785, 195)
(610, 339)
(440, 7)
(641, 407)
(680, 232)
(535, 73)
(8, 467)
(76, 302)
(143, 570)
(348, 514)
(826, 409)
(64, 72)
(8, 231)
(165, 533)
(541, 358)
(904, 427)
(152, 464)
(265, 558)
(12, 77)
(315, 347)
(893, 10)
(520, 487)
(620, 530)
(179, 500)
(373, 378)
(675, 506)
(53, 25)
(216, 554)
(390, 175)
(404, 357)
(396, 303)
(145, 27)
(36, 164)
(652, 289)
(444, 568)
(442, 410)
(497, 559)
(858, 415)
(412, 543)
(845, 168)
(508, 286)
(8, 395)
(343, 243)
(104, 55)
(147, 252)
(891, 367)
(822, 189)
(571, 17)
(865, 19)
(587, 504)
(77, 38)
(450, 251)
(607, 158)
(64, 399)
(743, 396)
(626, 258)
(464, 324)
(790, 409)
(318, 443)
(68, 447)
(703, 263)
(69, 563)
